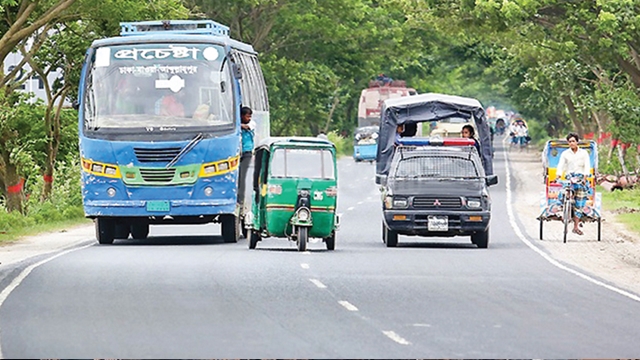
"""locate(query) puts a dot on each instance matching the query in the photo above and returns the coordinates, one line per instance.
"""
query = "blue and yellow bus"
(159, 121)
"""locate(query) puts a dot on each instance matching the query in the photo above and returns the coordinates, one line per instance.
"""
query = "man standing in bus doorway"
(247, 132)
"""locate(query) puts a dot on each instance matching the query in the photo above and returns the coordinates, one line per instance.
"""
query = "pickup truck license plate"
(158, 205)
(438, 223)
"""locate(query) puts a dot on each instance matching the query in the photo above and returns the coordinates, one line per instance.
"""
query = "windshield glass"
(155, 86)
(436, 167)
(302, 163)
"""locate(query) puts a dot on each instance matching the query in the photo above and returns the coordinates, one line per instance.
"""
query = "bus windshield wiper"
(185, 150)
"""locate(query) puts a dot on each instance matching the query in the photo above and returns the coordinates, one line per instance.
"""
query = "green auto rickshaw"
(295, 191)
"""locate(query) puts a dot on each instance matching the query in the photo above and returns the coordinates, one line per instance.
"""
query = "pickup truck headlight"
(474, 203)
(400, 203)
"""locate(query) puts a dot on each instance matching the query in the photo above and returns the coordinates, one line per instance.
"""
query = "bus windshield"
(158, 86)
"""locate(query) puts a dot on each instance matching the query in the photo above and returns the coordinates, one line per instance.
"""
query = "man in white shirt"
(575, 161)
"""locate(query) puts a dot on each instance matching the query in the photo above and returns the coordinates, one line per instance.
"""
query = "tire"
(566, 218)
(302, 238)
(599, 228)
(391, 236)
(230, 228)
(481, 239)
(541, 226)
(254, 237)
(105, 230)
(330, 241)
(140, 231)
(121, 231)
(384, 233)
(244, 230)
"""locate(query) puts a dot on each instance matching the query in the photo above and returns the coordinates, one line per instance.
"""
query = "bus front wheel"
(105, 230)
(230, 228)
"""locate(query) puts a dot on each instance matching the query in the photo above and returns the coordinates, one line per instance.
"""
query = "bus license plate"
(158, 205)
(438, 223)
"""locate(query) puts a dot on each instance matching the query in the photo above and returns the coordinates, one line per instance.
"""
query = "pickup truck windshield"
(436, 167)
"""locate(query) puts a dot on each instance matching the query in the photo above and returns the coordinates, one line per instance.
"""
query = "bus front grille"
(160, 175)
(164, 155)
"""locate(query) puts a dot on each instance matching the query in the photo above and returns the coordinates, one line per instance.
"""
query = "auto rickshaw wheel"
(140, 231)
(254, 237)
(331, 241)
(302, 237)
(230, 228)
(599, 227)
(105, 230)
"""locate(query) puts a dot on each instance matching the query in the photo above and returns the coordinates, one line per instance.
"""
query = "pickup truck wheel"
(384, 233)
(481, 239)
(391, 236)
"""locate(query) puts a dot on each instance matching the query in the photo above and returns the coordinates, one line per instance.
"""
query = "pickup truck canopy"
(428, 107)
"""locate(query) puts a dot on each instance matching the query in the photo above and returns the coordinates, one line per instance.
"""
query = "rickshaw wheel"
(541, 226)
(230, 228)
(599, 228)
(254, 237)
(566, 217)
(302, 237)
(331, 241)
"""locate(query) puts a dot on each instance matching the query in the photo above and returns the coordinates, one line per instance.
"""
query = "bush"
(344, 146)
(14, 220)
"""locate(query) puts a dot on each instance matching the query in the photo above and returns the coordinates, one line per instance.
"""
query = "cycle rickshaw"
(556, 200)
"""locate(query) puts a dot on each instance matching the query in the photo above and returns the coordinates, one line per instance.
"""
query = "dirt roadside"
(615, 259)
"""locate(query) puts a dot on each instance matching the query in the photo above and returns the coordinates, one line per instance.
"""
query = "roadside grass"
(626, 205)
(15, 233)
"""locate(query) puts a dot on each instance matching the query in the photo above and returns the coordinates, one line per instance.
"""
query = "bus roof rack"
(194, 27)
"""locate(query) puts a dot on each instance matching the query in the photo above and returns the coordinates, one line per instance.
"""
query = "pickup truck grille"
(427, 202)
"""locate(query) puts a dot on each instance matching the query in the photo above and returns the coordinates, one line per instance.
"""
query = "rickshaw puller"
(576, 161)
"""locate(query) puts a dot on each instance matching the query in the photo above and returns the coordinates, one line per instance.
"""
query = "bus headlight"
(111, 192)
(208, 191)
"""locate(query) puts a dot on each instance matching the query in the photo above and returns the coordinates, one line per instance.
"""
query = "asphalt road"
(184, 293)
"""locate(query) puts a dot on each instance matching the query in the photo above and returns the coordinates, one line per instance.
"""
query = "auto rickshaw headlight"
(303, 214)
(400, 203)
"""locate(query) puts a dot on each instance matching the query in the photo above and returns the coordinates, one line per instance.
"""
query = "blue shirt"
(247, 140)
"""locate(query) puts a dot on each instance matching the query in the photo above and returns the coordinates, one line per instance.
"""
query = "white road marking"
(360, 202)
(395, 337)
(351, 208)
(524, 239)
(18, 279)
(422, 325)
(347, 305)
(318, 283)
(304, 266)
